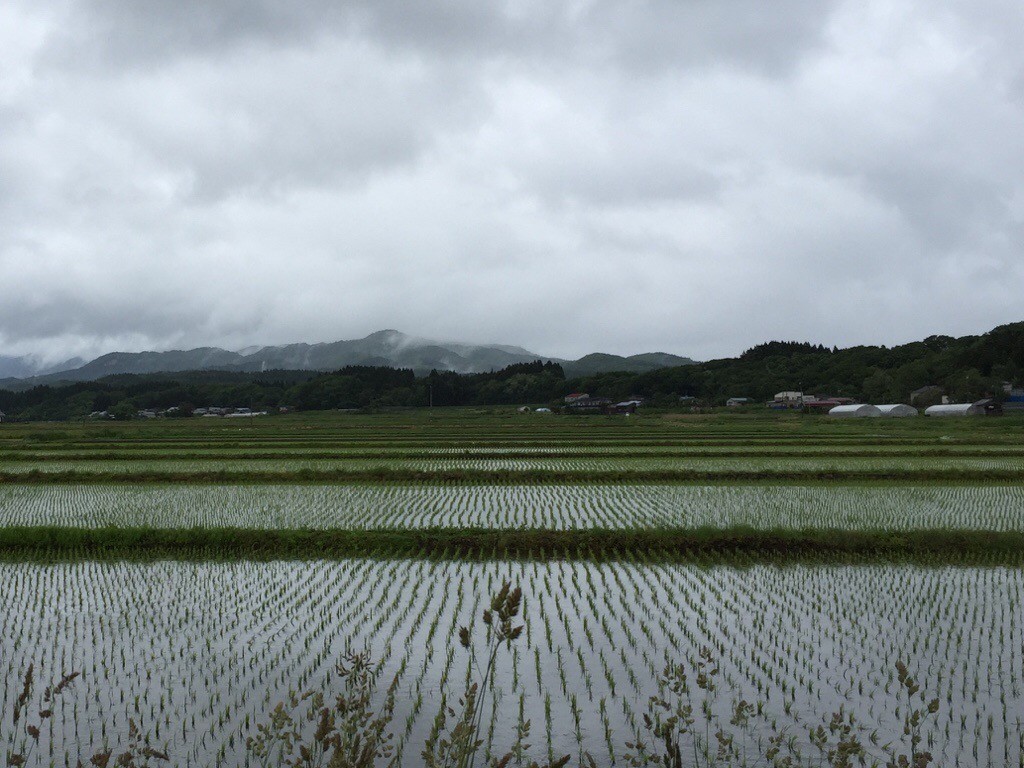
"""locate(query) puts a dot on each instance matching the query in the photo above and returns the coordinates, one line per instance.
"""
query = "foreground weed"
(32, 732)
(305, 731)
(917, 711)
(138, 753)
(684, 725)
(459, 745)
(687, 730)
(32, 720)
(694, 720)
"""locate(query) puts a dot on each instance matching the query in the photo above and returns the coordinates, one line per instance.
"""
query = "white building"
(789, 397)
(897, 410)
(953, 409)
(857, 410)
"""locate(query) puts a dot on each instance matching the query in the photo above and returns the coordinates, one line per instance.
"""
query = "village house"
(588, 404)
(789, 399)
(1013, 398)
(826, 404)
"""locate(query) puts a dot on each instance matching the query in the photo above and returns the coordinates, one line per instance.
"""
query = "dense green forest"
(966, 368)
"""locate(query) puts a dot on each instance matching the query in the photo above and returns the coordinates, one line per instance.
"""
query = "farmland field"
(202, 650)
(197, 644)
(767, 465)
(556, 507)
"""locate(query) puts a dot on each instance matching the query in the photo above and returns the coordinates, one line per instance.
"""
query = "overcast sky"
(688, 176)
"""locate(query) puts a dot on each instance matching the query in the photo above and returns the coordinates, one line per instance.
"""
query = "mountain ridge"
(387, 347)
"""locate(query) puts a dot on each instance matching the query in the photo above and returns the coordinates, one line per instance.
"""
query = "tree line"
(965, 368)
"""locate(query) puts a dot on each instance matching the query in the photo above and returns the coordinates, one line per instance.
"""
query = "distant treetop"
(785, 348)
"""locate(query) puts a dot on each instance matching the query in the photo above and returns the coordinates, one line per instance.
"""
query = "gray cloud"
(640, 35)
(689, 176)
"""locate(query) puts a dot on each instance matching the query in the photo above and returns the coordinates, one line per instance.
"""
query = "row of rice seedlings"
(200, 651)
(556, 507)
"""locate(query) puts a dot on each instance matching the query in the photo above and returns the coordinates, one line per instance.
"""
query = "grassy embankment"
(519, 477)
(668, 542)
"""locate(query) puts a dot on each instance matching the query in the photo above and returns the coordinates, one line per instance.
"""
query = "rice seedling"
(580, 507)
(203, 636)
(201, 651)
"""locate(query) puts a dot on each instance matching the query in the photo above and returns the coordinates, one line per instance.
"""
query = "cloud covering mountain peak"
(576, 176)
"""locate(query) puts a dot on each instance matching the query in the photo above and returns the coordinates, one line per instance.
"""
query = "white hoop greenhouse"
(957, 409)
(897, 410)
(861, 410)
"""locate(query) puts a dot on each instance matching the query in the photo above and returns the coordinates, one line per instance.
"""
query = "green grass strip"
(459, 454)
(513, 477)
(591, 542)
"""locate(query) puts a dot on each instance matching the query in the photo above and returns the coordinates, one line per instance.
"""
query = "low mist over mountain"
(383, 348)
(29, 365)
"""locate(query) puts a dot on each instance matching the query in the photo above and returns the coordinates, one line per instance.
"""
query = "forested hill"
(966, 368)
(390, 348)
